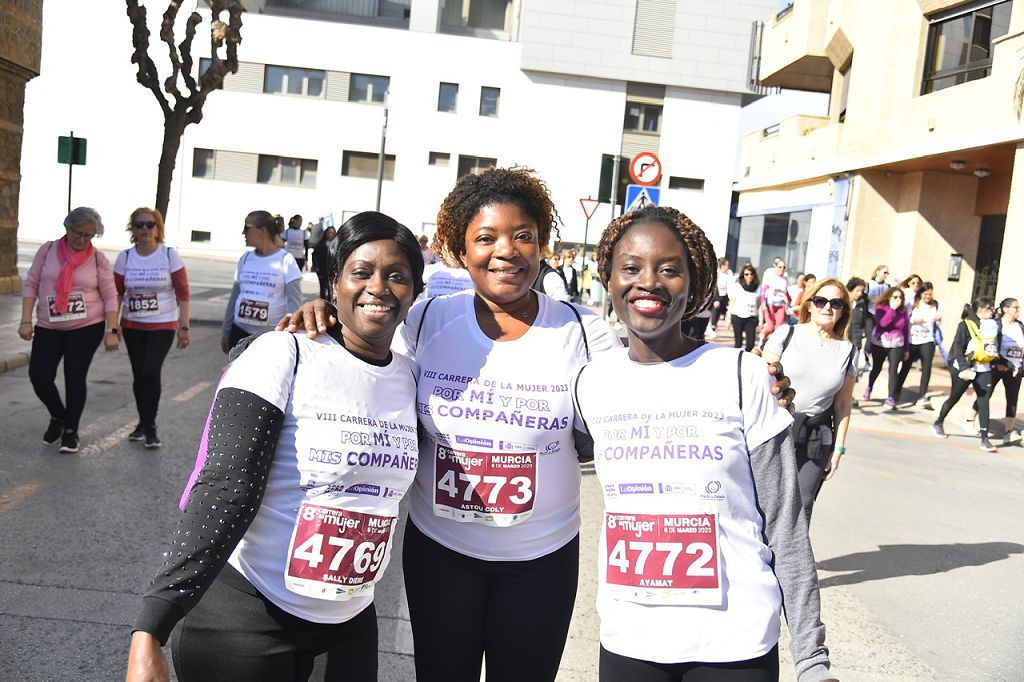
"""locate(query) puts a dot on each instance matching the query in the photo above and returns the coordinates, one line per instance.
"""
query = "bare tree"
(182, 109)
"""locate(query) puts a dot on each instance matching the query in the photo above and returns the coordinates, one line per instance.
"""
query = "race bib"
(661, 559)
(492, 488)
(335, 553)
(254, 312)
(142, 304)
(1015, 353)
(75, 311)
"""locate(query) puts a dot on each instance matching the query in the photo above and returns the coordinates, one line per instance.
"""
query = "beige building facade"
(919, 164)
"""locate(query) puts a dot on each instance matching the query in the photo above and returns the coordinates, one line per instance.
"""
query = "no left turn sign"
(645, 168)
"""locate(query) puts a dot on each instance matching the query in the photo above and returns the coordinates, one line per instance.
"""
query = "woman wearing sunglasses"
(821, 363)
(152, 285)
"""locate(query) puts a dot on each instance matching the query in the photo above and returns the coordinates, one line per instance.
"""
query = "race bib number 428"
(492, 488)
(336, 553)
(663, 558)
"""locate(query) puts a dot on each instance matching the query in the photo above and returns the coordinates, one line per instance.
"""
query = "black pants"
(982, 383)
(301, 263)
(235, 633)
(924, 352)
(744, 327)
(236, 335)
(695, 327)
(77, 348)
(147, 351)
(880, 355)
(719, 312)
(1011, 385)
(616, 668)
(518, 612)
(810, 475)
(325, 285)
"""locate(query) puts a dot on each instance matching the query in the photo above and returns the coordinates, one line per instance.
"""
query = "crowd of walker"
(464, 376)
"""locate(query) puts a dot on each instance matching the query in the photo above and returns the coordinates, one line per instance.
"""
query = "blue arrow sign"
(638, 196)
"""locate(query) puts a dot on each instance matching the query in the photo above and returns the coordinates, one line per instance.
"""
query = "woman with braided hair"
(695, 567)
(491, 554)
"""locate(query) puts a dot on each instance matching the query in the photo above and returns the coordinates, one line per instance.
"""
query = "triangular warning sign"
(589, 207)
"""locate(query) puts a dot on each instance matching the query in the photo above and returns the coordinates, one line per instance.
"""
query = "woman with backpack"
(924, 315)
(1011, 349)
(975, 347)
(820, 362)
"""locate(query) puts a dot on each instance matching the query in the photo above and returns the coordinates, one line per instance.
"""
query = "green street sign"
(71, 150)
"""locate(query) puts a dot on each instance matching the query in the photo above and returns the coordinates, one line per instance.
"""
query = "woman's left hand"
(833, 464)
(112, 341)
(182, 338)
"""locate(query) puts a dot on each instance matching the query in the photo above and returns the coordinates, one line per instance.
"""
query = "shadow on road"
(893, 561)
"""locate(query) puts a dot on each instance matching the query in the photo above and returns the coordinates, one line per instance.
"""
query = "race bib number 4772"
(663, 558)
(337, 553)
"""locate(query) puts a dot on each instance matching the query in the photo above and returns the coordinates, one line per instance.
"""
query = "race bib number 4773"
(335, 553)
(663, 558)
(492, 488)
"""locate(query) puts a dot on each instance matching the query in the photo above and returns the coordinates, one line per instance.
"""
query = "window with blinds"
(654, 28)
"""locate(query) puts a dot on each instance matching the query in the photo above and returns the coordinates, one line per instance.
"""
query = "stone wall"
(21, 33)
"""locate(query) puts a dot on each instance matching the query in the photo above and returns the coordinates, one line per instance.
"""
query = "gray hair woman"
(71, 287)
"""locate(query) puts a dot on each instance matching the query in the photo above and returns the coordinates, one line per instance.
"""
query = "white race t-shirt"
(148, 291)
(922, 324)
(1013, 343)
(684, 572)
(261, 289)
(498, 478)
(294, 240)
(775, 288)
(875, 289)
(346, 456)
(440, 280)
(742, 303)
(724, 280)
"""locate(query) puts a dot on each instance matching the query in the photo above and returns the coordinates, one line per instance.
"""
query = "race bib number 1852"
(142, 304)
(663, 558)
(492, 488)
(336, 553)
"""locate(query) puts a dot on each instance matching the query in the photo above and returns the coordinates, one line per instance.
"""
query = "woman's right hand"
(146, 661)
(314, 317)
(25, 331)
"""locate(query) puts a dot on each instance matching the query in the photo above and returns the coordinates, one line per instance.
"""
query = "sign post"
(589, 206)
(71, 150)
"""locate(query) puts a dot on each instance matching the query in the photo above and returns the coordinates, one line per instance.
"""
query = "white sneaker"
(711, 334)
(1010, 436)
(925, 404)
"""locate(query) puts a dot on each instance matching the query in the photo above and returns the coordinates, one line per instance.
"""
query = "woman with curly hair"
(693, 568)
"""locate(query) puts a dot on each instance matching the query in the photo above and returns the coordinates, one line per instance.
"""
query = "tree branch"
(185, 48)
(147, 75)
(167, 35)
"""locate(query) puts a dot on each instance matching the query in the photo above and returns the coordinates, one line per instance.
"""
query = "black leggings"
(77, 348)
(517, 612)
(880, 355)
(147, 350)
(744, 326)
(235, 633)
(1011, 384)
(810, 475)
(617, 668)
(719, 312)
(695, 327)
(924, 352)
(325, 285)
(982, 383)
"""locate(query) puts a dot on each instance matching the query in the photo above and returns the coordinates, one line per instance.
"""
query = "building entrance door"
(990, 246)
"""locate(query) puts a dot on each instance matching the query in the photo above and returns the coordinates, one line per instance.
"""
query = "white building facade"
(549, 84)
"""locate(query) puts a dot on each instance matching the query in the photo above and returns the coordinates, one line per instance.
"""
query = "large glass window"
(763, 238)
(960, 46)
(367, 88)
(482, 14)
(489, 101)
(642, 117)
(289, 80)
(284, 170)
(203, 163)
(447, 97)
(474, 164)
(364, 165)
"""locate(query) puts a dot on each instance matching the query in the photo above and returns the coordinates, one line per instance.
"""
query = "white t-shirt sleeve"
(600, 335)
(120, 262)
(404, 341)
(554, 287)
(174, 259)
(291, 269)
(266, 368)
(763, 419)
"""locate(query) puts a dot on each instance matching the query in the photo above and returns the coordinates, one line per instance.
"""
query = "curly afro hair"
(700, 255)
(517, 185)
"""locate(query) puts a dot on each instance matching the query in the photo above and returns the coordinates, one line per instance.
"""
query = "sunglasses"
(144, 224)
(88, 236)
(833, 303)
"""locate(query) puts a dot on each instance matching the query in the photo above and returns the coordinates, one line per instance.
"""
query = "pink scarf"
(70, 260)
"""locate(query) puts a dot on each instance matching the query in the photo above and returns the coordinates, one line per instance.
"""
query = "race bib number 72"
(663, 558)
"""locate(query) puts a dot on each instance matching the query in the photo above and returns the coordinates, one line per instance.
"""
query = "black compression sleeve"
(244, 429)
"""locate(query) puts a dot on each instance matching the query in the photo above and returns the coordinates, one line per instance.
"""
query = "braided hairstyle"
(516, 185)
(700, 255)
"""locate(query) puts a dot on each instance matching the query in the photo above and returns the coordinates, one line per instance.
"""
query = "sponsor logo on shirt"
(636, 488)
(713, 491)
(471, 440)
(364, 489)
(677, 489)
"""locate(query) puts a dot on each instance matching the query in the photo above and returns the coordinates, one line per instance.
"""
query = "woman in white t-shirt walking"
(152, 284)
(268, 282)
(924, 315)
(290, 517)
(703, 537)
(746, 310)
(1012, 351)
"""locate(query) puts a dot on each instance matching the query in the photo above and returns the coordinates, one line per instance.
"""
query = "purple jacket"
(892, 327)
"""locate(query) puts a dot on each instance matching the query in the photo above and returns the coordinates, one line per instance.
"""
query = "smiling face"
(649, 281)
(857, 292)
(927, 296)
(825, 318)
(373, 293)
(502, 254)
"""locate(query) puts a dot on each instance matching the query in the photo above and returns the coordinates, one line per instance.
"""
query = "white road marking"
(192, 392)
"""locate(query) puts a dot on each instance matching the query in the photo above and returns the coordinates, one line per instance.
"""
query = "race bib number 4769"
(336, 553)
(492, 488)
(663, 558)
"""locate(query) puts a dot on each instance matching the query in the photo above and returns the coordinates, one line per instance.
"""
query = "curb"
(14, 361)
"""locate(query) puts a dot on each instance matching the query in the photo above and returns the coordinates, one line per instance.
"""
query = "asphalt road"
(919, 541)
